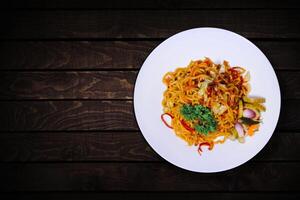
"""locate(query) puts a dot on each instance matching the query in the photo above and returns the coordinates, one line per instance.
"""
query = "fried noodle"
(218, 87)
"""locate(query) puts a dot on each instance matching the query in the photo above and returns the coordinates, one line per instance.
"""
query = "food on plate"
(207, 103)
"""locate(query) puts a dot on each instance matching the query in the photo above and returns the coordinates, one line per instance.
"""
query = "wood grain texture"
(114, 146)
(144, 4)
(146, 23)
(70, 146)
(289, 83)
(51, 55)
(96, 85)
(164, 177)
(95, 115)
(67, 126)
(76, 55)
(70, 85)
(150, 195)
(67, 115)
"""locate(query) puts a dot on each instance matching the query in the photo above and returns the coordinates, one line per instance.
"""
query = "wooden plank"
(288, 119)
(51, 55)
(95, 115)
(145, 23)
(76, 55)
(150, 195)
(113, 146)
(289, 83)
(68, 146)
(96, 85)
(67, 115)
(281, 60)
(144, 4)
(151, 176)
(70, 85)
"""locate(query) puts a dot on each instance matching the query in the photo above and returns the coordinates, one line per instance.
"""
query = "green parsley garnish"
(204, 121)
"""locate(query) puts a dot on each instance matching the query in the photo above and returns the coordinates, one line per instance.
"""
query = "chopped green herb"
(203, 117)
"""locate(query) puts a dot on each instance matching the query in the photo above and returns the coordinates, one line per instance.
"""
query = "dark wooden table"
(66, 82)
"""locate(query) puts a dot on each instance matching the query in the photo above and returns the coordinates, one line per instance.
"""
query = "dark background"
(67, 128)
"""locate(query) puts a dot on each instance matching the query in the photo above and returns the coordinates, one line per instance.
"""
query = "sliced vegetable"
(235, 74)
(234, 134)
(218, 109)
(247, 77)
(164, 121)
(231, 137)
(210, 146)
(241, 140)
(252, 129)
(186, 126)
(254, 100)
(239, 129)
(239, 69)
(255, 106)
(260, 107)
(220, 139)
(259, 100)
(257, 115)
(248, 121)
(203, 86)
(240, 109)
(249, 113)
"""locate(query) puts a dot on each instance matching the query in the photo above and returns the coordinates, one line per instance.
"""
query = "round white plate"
(178, 51)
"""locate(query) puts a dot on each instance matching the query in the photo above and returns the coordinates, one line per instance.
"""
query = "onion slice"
(248, 113)
(239, 128)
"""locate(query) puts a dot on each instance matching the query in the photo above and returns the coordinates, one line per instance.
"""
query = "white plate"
(178, 51)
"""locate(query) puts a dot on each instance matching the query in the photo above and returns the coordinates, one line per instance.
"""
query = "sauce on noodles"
(208, 103)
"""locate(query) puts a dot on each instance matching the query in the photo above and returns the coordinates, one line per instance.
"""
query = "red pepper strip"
(204, 144)
(242, 80)
(164, 121)
(235, 73)
(233, 70)
(207, 61)
(199, 151)
(238, 69)
(209, 91)
(186, 126)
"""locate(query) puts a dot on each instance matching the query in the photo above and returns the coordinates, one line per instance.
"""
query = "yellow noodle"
(225, 87)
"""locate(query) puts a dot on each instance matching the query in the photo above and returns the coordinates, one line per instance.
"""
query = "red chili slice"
(207, 61)
(164, 121)
(235, 73)
(204, 144)
(209, 91)
(186, 126)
